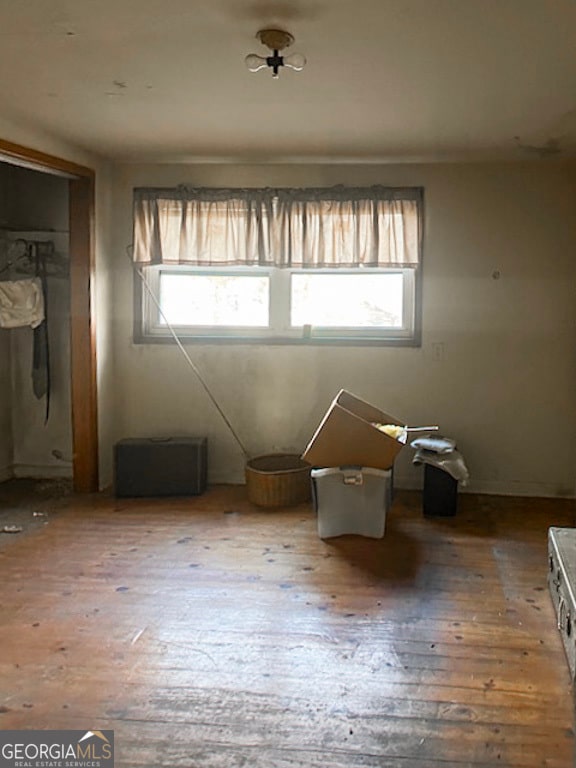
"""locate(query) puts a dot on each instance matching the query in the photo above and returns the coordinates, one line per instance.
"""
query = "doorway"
(83, 387)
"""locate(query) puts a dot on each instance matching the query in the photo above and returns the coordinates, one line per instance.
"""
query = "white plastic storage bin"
(351, 500)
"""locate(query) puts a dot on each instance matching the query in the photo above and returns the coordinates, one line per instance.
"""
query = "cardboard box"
(346, 436)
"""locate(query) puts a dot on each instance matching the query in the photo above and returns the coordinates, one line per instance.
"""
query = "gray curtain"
(310, 228)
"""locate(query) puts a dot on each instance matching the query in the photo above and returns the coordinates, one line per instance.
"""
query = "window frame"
(146, 331)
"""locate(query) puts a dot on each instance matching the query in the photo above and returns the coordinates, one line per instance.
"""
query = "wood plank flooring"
(211, 634)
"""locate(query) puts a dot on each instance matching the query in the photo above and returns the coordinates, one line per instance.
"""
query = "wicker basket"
(278, 480)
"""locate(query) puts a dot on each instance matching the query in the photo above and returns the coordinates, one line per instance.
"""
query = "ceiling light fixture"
(276, 40)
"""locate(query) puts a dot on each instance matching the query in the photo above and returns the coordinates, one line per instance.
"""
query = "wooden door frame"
(84, 394)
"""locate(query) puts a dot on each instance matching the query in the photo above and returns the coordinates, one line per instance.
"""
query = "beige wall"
(33, 137)
(504, 388)
(106, 257)
(6, 446)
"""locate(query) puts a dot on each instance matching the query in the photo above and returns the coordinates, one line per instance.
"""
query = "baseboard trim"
(6, 474)
(411, 483)
(40, 471)
(226, 478)
(497, 488)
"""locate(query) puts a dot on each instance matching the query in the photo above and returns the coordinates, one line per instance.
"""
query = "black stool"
(440, 497)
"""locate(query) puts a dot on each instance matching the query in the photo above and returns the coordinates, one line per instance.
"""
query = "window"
(222, 299)
(289, 266)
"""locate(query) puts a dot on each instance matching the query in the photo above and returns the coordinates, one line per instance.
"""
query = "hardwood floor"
(211, 634)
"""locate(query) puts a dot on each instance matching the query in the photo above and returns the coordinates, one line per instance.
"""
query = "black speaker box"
(170, 466)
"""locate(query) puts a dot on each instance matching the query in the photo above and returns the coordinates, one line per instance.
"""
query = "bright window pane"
(352, 301)
(215, 300)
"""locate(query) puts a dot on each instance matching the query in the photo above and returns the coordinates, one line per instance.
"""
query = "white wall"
(505, 388)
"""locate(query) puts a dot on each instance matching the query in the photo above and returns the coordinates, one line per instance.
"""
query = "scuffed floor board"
(209, 633)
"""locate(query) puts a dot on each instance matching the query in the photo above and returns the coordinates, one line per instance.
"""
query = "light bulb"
(295, 61)
(255, 62)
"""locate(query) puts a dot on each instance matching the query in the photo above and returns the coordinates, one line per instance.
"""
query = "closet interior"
(35, 400)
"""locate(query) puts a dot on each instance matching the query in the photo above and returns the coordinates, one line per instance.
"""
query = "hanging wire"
(182, 349)
(20, 251)
(13, 258)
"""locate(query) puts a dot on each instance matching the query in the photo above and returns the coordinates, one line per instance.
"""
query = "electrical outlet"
(437, 350)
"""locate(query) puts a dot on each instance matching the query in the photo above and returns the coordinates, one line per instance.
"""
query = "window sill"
(313, 341)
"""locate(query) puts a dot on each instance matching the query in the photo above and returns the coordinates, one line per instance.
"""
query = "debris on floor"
(28, 504)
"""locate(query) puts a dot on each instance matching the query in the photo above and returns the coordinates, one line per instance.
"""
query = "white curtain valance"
(311, 228)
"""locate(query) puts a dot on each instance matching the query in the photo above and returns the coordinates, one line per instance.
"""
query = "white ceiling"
(164, 80)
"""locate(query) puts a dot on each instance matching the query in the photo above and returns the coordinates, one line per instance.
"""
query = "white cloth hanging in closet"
(21, 303)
